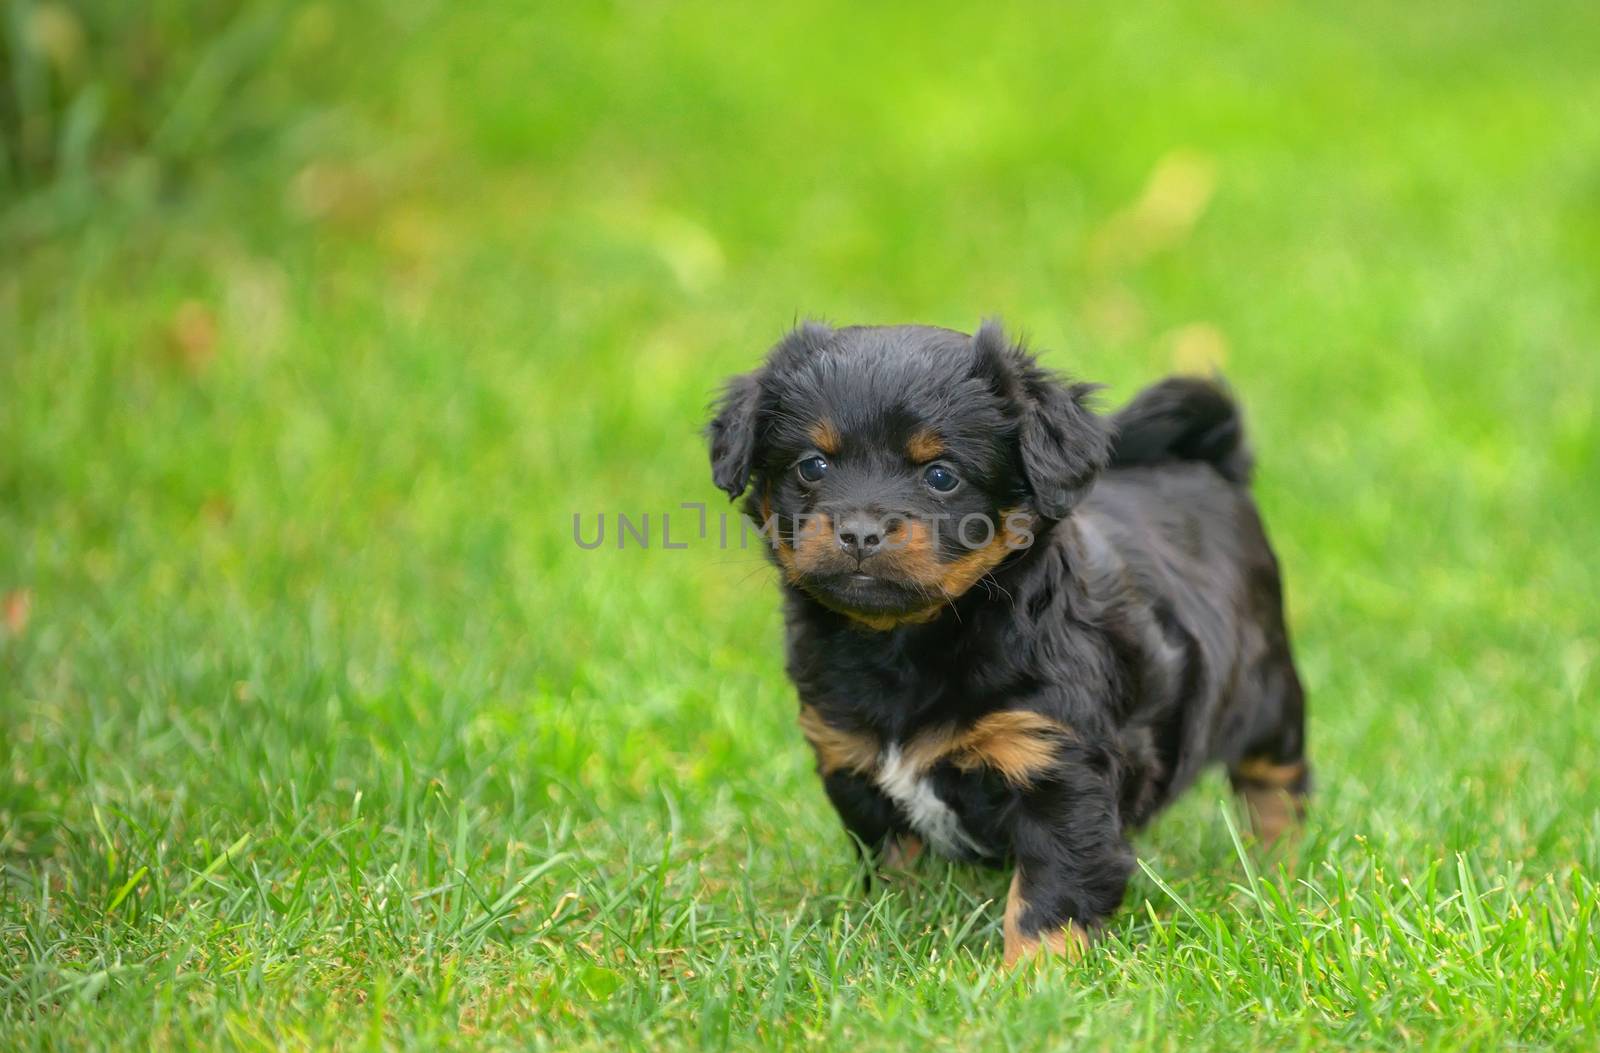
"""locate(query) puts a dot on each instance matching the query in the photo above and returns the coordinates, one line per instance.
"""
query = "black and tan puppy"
(1017, 629)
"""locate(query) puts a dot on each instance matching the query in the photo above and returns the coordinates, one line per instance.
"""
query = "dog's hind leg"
(1272, 774)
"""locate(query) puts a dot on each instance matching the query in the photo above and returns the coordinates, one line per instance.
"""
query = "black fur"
(1184, 419)
(1145, 616)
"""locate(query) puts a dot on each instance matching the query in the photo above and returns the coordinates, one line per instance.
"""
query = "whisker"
(950, 601)
(990, 582)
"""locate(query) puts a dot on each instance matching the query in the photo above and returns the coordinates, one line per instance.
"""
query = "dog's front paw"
(1068, 941)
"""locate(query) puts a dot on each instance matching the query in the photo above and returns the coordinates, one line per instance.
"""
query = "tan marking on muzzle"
(915, 555)
(780, 548)
(924, 445)
(965, 572)
(810, 547)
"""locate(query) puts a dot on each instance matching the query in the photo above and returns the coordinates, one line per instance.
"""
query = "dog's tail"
(1184, 419)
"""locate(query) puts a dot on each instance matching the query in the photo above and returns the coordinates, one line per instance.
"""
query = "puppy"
(1017, 629)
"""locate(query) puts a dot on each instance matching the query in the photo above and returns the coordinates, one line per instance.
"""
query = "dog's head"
(895, 466)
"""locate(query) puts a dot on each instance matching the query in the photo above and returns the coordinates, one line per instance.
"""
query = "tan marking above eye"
(825, 437)
(924, 445)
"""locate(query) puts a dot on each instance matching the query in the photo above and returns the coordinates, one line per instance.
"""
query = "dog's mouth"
(861, 592)
(908, 582)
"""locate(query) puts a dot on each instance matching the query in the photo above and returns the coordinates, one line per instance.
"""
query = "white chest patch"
(934, 820)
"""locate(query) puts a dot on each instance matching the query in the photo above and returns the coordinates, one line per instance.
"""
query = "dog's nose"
(860, 535)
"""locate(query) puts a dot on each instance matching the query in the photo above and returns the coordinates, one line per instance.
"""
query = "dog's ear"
(1063, 444)
(736, 429)
(733, 433)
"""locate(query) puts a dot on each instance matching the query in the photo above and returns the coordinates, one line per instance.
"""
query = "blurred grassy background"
(318, 323)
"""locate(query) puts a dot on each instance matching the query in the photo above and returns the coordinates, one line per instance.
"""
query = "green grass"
(316, 728)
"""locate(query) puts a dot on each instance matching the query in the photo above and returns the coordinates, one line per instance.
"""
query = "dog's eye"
(940, 478)
(812, 469)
